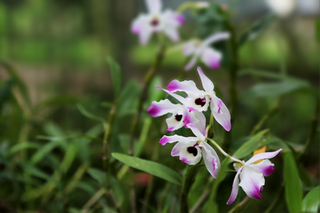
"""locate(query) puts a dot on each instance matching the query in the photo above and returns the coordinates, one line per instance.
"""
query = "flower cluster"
(168, 22)
(189, 113)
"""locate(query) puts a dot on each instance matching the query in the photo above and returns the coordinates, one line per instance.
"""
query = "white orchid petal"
(162, 107)
(196, 131)
(199, 120)
(265, 167)
(220, 113)
(145, 35)
(173, 18)
(190, 153)
(154, 6)
(216, 37)
(211, 58)
(172, 33)
(210, 158)
(180, 19)
(252, 182)
(265, 155)
(185, 86)
(174, 138)
(189, 48)
(206, 82)
(235, 188)
(191, 63)
(176, 149)
(178, 97)
(175, 122)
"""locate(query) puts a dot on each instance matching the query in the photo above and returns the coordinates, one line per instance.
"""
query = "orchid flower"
(203, 50)
(251, 175)
(199, 100)
(180, 114)
(156, 21)
(191, 149)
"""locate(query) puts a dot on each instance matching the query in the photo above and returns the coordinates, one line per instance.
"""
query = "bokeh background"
(59, 48)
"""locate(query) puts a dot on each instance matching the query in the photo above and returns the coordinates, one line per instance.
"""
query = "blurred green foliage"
(51, 150)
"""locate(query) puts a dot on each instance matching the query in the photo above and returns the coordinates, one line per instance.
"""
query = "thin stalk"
(150, 184)
(224, 153)
(93, 200)
(234, 67)
(106, 141)
(313, 130)
(163, 196)
(155, 156)
(148, 78)
(276, 200)
(195, 208)
(186, 186)
(240, 206)
(106, 154)
(210, 134)
(265, 118)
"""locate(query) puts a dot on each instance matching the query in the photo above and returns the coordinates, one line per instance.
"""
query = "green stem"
(150, 184)
(265, 118)
(313, 130)
(188, 180)
(203, 197)
(234, 67)
(224, 153)
(276, 200)
(106, 153)
(163, 197)
(148, 78)
(240, 206)
(106, 142)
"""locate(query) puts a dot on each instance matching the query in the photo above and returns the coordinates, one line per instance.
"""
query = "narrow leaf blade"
(256, 29)
(250, 146)
(311, 201)
(292, 183)
(153, 168)
(115, 75)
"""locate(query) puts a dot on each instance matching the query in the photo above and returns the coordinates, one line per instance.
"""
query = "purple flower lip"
(154, 22)
(153, 110)
(192, 150)
(200, 101)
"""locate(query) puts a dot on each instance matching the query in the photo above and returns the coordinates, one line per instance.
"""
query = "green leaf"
(256, 29)
(118, 190)
(59, 101)
(38, 173)
(21, 146)
(317, 30)
(17, 81)
(311, 201)
(68, 157)
(98, 175)
(5, 92)
(274, 89)
(115, 75)
(84, 112)
(45, 150)
(292, 184)
(155, 94)
(129, 98)
(248, 147)
(153, 168)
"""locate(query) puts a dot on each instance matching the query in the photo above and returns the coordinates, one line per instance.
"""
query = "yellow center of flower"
(258, 151)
